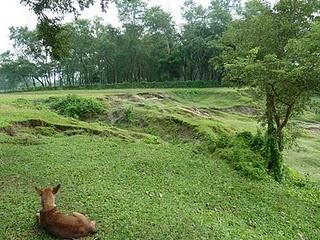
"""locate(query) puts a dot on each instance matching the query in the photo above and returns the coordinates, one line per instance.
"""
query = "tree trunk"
(274, 144)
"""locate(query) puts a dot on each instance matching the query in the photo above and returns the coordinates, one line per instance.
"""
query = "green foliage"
(26, 139)
(50, 15)
(53, 38)
(22, 102)
(244, 152)
(114, 182)
(90, 53)
(294, 177)
(224, 141)
(118, 173)
(46, 131)
(76, 107)
(244, 160)
(127, 113)
(129, 85)
(278, 56)
(152, 140)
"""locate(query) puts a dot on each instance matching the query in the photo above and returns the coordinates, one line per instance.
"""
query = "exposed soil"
(39, 127)
(14, 128)
(138, 97)
(196, 112)
(314, 130)
(171, 129)
(153, 96)
(116, 116)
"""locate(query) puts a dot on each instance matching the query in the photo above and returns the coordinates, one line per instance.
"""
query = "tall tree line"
(148, 47)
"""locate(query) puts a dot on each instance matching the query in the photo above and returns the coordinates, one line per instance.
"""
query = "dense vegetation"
(275, 50)
(179, 163)
(148, 47)
(76, 107)
(175, 163)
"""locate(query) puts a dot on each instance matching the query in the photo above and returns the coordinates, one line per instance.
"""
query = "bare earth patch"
(196, 112)
(140, 97)
(69, 130)
(313, 128)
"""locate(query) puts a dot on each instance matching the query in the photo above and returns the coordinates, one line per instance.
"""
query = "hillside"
(143, 168)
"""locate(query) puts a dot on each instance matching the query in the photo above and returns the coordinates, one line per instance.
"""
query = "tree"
(51, 13)
(203, 27)
(278, 56)
(147, 47)
(220, 18)
(162, 39)
(16, 73)
(131, 14)
(31, 54)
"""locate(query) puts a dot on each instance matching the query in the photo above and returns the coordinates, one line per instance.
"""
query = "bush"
(255, 142)
(22, 102)
(45, 131)
(128, 113)
(76, 107)
(244, 152)
(246, 161)
(294, 177)
(224, 141)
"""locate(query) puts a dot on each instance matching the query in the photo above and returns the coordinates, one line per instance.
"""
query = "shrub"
(244, 152)
(121, 115)
(257, 143)
(294, 177)
(224, 141)
(125, 85)
(128, 113)
(26, 139)
(76, 107)
(246, 136)
(246, 161)
(152, 140)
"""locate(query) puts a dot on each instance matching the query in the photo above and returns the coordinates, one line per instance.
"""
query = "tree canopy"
(148, 47)
(51, 13)
(275, 50)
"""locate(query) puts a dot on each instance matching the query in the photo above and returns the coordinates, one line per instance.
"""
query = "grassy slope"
(150, 191)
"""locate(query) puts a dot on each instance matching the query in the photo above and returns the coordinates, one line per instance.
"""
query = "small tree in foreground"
(280, 59)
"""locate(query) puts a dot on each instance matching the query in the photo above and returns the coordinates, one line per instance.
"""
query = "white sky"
(12, 13)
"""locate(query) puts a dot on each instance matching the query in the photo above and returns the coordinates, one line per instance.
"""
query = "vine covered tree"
(275, 50)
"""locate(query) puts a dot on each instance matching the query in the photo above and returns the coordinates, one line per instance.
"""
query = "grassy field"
(139, 169)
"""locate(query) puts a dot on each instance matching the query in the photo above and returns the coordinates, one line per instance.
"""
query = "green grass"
(139, 191)
(217, 97)
(142, 176)
(305, 158)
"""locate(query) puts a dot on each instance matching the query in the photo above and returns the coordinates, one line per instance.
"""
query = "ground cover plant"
(76, 107)
(155, 164)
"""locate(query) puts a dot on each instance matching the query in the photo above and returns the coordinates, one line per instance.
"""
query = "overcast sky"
(14, 14)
